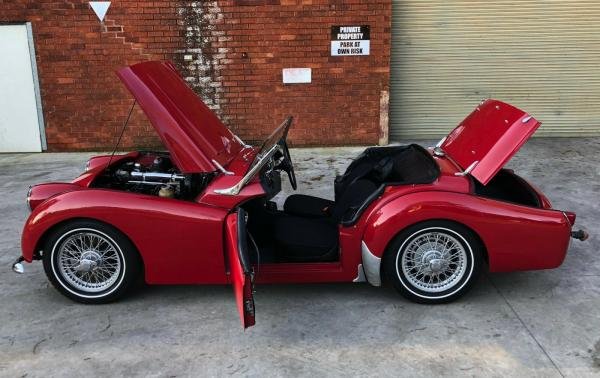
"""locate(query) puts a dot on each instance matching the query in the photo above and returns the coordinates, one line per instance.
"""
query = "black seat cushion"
(307, 206)
(300, 239)
(311, 238)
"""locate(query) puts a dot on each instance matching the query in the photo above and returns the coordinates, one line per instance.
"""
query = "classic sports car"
(425, 220)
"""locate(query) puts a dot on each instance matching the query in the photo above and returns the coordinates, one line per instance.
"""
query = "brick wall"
(84, 103)
(342, 104)
(231, 52)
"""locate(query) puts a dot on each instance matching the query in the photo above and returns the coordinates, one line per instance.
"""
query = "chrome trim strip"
(371, 265)
(567, 218)
(439, 144)
(235, 190)
(240, 141)
(468, 170)
(220, 167)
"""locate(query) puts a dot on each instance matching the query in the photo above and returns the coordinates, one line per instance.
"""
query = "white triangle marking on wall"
(100, 8)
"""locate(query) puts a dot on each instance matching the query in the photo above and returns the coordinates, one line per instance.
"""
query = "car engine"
(153, 173)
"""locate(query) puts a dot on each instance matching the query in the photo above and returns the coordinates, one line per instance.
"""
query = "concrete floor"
(543, 323)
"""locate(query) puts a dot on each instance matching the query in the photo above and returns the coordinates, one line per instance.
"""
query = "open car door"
(241, 275)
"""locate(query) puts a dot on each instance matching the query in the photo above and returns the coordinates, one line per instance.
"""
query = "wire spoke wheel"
(434, 261)
(91, 262)
(88, 261)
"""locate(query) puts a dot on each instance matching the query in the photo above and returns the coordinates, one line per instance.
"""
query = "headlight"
(29, 197)
(87, 166)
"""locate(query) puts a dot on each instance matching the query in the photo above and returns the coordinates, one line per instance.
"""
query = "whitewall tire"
(90, 262)
(434, 261)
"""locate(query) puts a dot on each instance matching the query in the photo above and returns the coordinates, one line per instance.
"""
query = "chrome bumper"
(17, 266)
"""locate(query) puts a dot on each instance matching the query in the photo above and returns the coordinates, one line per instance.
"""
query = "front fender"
(179, 241)
(515, 237)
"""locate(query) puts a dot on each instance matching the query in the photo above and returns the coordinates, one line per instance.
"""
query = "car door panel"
(240, 270)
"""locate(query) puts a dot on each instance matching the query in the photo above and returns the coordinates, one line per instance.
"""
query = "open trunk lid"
(193, 134)
(486, 140)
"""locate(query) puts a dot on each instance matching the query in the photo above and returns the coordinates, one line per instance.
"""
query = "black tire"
(398, 266)
(66, 278)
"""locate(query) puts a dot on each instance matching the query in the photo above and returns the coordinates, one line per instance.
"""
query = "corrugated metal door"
(541, 56)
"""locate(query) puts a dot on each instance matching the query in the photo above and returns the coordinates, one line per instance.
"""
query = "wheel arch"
(39, 245)
(385, 223)
(476, 235)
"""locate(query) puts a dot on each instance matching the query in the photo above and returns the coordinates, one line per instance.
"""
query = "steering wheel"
(288, 166)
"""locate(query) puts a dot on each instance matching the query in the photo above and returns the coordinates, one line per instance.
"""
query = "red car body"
(195, 241)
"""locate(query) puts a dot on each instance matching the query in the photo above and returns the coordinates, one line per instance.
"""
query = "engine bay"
(153, 173)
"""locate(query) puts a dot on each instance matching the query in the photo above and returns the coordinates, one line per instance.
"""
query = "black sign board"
(350, 40)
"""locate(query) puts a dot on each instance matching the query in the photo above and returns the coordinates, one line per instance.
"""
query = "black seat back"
(358, 169)
(352, 199)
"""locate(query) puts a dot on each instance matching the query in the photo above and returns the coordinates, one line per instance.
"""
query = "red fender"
(179, 241)
(516, 237)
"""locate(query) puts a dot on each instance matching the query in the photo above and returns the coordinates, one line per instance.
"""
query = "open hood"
(486, 140)
(193, 134)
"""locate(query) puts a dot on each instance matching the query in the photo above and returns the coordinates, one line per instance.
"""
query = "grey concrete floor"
(544, 323)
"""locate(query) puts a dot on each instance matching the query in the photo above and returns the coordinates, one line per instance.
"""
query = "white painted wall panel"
(19, 125)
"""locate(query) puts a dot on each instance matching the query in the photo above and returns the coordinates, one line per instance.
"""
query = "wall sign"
(100, 8)
(297, 75)
(350, 40)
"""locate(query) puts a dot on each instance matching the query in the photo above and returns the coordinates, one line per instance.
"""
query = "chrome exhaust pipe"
(580, 235)
(17, 266)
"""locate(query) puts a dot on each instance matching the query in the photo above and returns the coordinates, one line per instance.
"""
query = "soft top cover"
(188, 128)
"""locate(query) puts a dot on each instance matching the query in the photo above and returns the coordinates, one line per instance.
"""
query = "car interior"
(306, 230)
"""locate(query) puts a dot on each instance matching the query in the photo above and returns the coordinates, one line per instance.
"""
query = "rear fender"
(180, 242)
(515, 237)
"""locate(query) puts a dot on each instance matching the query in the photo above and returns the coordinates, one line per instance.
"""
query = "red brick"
(246, 44)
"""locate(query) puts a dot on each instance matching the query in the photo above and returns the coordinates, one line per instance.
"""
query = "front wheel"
(434, 261)
(90, 262)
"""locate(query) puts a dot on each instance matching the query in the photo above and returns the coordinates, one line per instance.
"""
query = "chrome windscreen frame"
(237, 188)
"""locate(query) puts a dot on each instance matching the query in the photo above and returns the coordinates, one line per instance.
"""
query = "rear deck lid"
(193, 134)
(484, 142)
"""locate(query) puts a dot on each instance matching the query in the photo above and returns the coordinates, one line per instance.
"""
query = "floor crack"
(35, 347)
(525, 326)
(108, 325)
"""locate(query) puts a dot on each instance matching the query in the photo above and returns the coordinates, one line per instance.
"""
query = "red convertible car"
(424, 220)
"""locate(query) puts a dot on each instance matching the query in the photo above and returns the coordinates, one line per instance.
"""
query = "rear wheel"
(90, 262)
(434, 261)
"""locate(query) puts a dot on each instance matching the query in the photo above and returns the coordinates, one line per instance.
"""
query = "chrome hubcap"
(434, 262)
(89, 261)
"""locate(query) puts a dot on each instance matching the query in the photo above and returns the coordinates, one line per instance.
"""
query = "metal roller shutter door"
(542, 56)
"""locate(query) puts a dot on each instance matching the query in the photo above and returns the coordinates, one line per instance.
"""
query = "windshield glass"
(276, 136)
